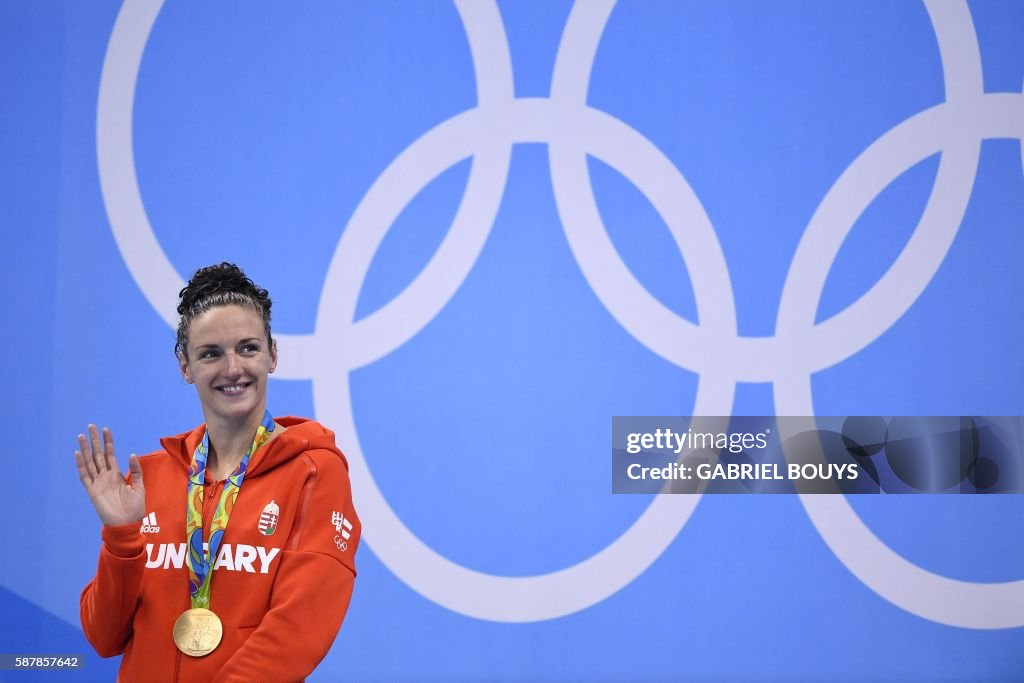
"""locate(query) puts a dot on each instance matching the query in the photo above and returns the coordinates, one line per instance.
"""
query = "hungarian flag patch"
(268, 519)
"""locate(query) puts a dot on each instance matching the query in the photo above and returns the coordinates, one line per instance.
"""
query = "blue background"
(259, 127)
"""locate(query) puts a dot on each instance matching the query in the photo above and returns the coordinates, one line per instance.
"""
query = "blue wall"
(487, 229)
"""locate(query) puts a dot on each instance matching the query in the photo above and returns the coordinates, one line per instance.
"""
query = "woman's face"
(228, 360)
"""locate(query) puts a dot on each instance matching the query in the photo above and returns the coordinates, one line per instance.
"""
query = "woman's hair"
(221, 285)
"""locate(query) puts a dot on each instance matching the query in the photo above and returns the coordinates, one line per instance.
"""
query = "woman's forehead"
(226, 324)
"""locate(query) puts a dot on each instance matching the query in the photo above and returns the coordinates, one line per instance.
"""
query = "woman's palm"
(117, 500)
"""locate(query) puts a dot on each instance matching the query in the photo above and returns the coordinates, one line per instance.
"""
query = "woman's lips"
(234, 389)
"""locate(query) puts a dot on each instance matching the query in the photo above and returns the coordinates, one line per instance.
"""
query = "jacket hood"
(300, 435)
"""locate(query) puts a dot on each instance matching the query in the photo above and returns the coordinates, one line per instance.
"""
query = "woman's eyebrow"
(215, 346)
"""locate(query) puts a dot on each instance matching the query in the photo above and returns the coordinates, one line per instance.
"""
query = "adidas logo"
(341, 525)
(149, 524)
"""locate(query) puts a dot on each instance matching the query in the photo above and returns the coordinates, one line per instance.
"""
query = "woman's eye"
(250, 348)
(208, 354)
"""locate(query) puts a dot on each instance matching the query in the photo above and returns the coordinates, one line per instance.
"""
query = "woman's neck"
(229, 442)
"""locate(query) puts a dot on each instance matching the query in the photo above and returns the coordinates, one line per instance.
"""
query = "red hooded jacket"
(282, 580)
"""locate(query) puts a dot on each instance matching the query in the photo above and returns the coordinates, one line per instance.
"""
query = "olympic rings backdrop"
(487, 229)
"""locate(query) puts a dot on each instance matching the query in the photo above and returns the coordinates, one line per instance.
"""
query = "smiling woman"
(272, 619)
(229, 362)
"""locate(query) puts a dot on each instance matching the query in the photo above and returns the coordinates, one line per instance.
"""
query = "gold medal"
(197, 632)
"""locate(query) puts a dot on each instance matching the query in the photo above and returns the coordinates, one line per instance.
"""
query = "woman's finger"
(97, 449)
(86, 451)
(83, 471)
(135, 469)
(108, 450)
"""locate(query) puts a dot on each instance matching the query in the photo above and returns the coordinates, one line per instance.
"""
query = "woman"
(182, 593)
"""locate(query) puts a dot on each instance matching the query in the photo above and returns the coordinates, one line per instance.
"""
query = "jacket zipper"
(306, 496)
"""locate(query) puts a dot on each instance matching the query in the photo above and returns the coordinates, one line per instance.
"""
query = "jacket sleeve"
(107, 606)
(313, 585)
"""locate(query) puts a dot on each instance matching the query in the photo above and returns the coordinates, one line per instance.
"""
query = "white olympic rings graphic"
(573, 130)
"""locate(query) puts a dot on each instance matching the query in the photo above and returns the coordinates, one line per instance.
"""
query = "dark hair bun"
(223, 277)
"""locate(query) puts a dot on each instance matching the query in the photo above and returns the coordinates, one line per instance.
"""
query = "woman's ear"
(183, 366)
(273, 355)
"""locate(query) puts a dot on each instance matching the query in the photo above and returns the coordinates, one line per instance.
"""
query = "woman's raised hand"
(116, 500)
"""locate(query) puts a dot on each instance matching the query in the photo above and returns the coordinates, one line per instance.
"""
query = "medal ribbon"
(200, 563)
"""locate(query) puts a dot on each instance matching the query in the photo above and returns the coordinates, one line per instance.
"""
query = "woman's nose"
(233, 368)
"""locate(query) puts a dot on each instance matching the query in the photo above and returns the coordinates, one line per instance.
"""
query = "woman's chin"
(233, 410)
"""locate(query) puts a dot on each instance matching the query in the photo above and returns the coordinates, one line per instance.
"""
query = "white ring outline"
(917, 590)
(127, 215)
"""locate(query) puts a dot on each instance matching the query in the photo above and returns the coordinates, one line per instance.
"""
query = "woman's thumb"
(135, 469)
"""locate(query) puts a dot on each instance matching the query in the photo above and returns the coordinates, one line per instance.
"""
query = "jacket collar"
(301, 434)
